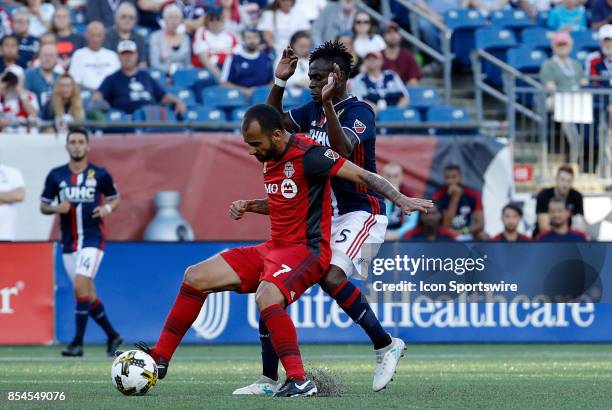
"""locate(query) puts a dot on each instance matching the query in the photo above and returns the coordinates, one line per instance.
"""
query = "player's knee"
(192, 277)
(267, 295)
(81, 286)
(334, 277)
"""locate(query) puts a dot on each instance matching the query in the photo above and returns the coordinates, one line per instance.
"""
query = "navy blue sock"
(99, 315)
(269, 358)
(348, 297)
(81, 315)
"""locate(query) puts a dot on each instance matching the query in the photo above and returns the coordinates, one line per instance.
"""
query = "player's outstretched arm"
(284, 70)
(353, 173)
(257, 206)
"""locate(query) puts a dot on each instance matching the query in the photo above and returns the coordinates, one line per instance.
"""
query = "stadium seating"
(237, 114)
(449, 115)
(538, 37)
(291, 101)
(511, 18)
(422, 98)
(184, 94)
(85, 96)
(406, 116)
(260, 95)
(463, 22)
(542, 19)
(496, 41)
(115, 116)
(586, 40)
(189, 76)
(223, 97)
(154, 113)
(205, 114)
(526, 59)
(157, 75)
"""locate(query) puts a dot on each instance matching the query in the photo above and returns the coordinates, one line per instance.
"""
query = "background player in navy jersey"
(511, 218)
(338, 120)
(296, 178)
(559, 215)
(78, 187)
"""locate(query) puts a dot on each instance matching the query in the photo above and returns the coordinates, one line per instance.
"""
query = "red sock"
(284, 340)
(182, 315)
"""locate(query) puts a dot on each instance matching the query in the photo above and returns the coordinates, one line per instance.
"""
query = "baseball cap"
(373, 53)
(214, 10)
(561, 37)
(605, 32)
(126, 45)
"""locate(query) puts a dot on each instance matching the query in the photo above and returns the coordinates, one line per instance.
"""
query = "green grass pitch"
(429, 376)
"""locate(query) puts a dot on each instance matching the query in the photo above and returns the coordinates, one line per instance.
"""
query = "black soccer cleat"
(162, 364)
(112, 344)
(73, 350)
(293, 388)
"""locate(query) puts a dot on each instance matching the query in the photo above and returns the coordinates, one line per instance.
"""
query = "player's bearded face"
(77, 148)
(511, 220)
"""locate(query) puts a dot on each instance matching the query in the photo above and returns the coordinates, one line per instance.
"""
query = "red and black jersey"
(500, 237)
(299, 194)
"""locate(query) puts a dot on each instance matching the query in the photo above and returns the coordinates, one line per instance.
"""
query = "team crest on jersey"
(289, 189)
(289, 171)
(91, 178)
(359, 127)
(331, 154)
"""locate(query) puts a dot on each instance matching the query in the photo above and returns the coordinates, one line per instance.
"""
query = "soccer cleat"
(162, 364)
(387, 359)
(264, 386)
(293, 388)
(112, 344)
(73, 350)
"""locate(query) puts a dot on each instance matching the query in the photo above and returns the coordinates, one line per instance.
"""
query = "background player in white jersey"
(338, 120)
(78, 187)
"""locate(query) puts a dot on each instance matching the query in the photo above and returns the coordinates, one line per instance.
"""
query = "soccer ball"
(134, 372)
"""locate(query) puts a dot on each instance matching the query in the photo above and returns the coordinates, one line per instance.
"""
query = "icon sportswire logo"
(213, 317)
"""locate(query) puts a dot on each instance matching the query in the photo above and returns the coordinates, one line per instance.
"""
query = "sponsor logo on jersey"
(359, 127)
(271, 188)
(320, 137)
(289, 171)
(331, 154)
(79, 193)
(289, 189)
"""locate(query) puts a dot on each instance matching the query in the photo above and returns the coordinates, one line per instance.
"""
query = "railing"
(445, 58)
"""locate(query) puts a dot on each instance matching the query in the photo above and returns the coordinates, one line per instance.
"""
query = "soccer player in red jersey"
(296, 178)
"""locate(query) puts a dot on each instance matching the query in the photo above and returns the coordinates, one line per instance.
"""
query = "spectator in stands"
(9, 47)
(533, 7)
(365, 39)
(249, 67)
(12, 191)
(399, 223)
(231, 16)
(562, 189)
(170, 49)
(40, 80)
(434, 10)
(301, 45)
(430, 228)
(19, 106)
(125, 21)
(597, 63)
(561, 72)
(336, 18)
(212, 43)
(377, 87)
(40, 16)
(66, 104)
(486, 7)
(67, 41)
(511, 217)
(103, 11)
(28, 44)
(346, 38)
(5, 22)
(461, 206)
(559, 215)
(130, 88)
(279, 23)
(310, 9)
(90, 65)
(568, 15)
(601, 13)
(398, 59)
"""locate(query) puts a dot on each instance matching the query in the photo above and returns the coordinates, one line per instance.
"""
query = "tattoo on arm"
(259, 206)
(380, 185)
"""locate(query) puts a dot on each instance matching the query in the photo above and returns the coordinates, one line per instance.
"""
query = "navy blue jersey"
(130, 93)
(357, 118)
(469, 203)
(84, 191)
(571, 236)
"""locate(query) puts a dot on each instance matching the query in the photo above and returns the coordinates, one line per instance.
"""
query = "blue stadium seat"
(154, 113)
(496, 41)
(542, 19)
(205, 114)
(395, 114)
(189, 76)
(291, 101)
(423, 97)
(260, 95)
(587, 40)
(143, 31)
(525, 59)
(537, 37)
(157, 75)
(449, 115)
(580, 55)
(463, 22)
(223, 97)
(86, 96)
(184, 94)
(115, 116)
(511, 18)
(237, 114)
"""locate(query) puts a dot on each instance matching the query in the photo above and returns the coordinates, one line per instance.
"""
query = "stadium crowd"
(72, 60)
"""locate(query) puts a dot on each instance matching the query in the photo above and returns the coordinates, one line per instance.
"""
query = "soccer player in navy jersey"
(338, 120)
(559, 215)
(296, 174)
(79, 187)
(511, 217)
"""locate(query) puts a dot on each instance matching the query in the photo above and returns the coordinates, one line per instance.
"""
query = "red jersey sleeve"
(321, 162)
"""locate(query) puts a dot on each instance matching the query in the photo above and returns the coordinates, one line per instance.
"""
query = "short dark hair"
(9, 36)
(268, 118)
(10, 78)
(334, 52)
(452, 167)
(515, 207)
(78, 130)
(297, 36)
(566, 168)
(560, 200)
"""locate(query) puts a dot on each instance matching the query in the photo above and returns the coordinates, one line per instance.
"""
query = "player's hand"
(63, 207)
(238, 209)
(100, 212)
(455, 190)
(286, 65)
(410, 205)
(333, 84)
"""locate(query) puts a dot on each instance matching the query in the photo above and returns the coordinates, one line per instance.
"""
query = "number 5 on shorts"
(284, 269)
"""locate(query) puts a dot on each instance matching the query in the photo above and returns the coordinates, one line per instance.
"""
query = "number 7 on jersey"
(284, 269)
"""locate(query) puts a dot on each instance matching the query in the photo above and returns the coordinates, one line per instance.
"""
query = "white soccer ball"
(134, 372)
